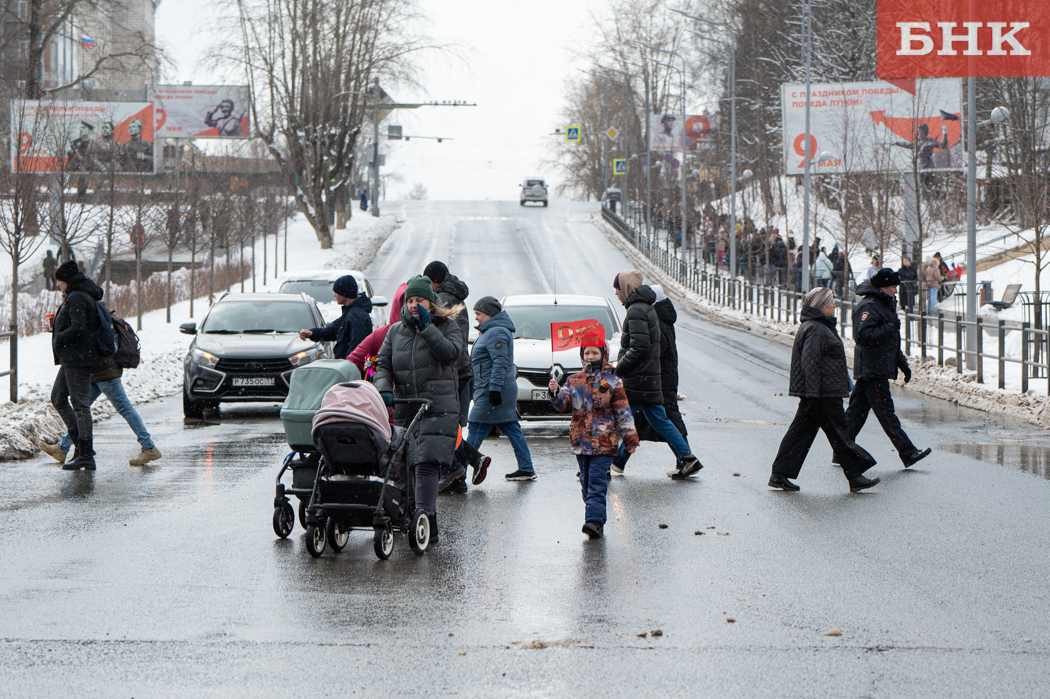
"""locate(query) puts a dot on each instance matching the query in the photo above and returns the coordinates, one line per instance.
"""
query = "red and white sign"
(575, 333)
(201, 111)
(963, 38)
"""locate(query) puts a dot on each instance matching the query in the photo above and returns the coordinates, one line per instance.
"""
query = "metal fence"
(12, 336)
(1019, 346)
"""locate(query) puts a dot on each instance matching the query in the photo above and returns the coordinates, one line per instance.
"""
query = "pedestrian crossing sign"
(619, 166)
(572, 134)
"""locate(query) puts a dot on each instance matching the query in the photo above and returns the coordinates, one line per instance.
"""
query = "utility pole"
(807, 49)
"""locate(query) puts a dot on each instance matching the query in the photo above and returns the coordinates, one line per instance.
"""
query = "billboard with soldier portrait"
(201, 111)
(82, 137)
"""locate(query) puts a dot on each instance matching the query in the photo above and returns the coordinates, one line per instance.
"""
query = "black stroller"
(361, 481)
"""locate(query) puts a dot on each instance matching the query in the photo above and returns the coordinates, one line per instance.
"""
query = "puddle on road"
(1030, 458)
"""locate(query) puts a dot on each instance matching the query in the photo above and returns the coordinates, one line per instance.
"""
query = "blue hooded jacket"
(349, 329)
(493, 362)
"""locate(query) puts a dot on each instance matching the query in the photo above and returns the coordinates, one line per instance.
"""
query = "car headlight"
(204, 358)
(306, 356)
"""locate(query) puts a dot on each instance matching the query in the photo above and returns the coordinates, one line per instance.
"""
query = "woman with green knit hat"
(418, 360)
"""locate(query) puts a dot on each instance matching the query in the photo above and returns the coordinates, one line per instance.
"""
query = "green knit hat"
(420, 286)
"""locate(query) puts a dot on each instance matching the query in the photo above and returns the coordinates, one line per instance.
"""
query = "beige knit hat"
(819, 298)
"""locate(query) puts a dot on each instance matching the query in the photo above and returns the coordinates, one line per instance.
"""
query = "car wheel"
(191, 408)
(544, 204)
(523, 203)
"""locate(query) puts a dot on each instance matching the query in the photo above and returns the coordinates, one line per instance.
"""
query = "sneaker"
(145, 456)
(858, 483)
(449, 477)
(615, 470)
(458, 487)
(593, 529)
(690, 465)
(53, 450)
(481, 469)
(520, 475)
(915, 457)
(677, 475)
(782, 482)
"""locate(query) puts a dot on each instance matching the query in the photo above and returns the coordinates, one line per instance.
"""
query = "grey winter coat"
(450, 292)
(73, 342)
(421, 364)
(493, 362)
(639, 357)
(877, 336)
(818, 359)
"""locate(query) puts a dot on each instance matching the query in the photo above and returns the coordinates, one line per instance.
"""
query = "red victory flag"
(963, 38)
(577, 333)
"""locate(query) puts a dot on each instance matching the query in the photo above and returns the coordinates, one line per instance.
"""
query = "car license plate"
(539, 395)
(261, 381)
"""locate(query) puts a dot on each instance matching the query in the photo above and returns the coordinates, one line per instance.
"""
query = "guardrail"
(940, 336)
(12, 335)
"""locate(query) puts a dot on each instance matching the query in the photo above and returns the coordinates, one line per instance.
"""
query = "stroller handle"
(425, 402)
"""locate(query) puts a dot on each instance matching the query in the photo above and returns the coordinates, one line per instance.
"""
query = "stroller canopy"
(356, 401)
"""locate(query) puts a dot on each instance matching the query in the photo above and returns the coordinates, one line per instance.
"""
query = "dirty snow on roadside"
(928, 378)
(163, 346)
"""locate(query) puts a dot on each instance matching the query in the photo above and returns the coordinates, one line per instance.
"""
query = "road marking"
(536, 263)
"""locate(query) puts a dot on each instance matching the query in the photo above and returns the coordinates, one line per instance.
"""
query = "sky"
(512, 59)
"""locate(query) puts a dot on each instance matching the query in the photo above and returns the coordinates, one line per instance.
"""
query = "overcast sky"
(515, 59)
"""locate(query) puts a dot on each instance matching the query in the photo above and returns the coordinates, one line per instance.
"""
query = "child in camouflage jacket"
(601, 416)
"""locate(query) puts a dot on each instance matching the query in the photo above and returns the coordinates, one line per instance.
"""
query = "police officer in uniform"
(876, 358)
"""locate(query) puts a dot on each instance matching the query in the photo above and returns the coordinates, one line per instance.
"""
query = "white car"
(534, 361)
(318, 285)
(534, 189)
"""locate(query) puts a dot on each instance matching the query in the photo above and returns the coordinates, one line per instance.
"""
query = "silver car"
(534, 361)
(318, 285)
(534, 189)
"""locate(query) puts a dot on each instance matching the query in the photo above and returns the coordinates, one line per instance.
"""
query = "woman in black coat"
(819, 379)
(418, 360)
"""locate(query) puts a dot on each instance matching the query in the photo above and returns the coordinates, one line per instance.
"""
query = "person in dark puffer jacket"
(452, 291)
(877, 356)
(354, 325)
(76, 353)
(418, 360)
(820, 380)
(639, 367)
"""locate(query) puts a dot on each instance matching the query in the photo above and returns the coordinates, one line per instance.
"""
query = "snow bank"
(163, 346)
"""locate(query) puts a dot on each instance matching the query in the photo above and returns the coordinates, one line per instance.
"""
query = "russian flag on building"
(86, 41)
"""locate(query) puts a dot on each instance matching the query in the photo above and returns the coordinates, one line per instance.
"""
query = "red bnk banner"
(572, 334)
(963, 38)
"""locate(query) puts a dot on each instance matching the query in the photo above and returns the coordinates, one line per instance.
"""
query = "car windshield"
(318, 289)
(533, 183)
(534, 322)
(258, 317)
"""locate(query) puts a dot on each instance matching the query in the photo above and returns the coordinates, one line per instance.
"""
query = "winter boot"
(53, 450)
(85, 458)
(145, 456)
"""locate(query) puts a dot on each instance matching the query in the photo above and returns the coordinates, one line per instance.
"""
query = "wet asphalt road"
(168, 580)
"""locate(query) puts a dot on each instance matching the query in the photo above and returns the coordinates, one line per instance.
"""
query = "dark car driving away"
(246, 349)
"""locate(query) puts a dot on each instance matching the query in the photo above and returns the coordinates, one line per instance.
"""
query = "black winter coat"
(778, 255)
(877, 334)
(667, 314)
(73, 342)
(347, 331)
(421, 364)
(909, 288)
(450, 292)
(639, 358)
(818, 359)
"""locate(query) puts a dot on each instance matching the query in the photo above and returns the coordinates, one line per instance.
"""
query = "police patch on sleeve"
(864, 316)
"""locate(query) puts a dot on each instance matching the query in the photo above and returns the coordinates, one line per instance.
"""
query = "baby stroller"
(361, 481)
(306, 389)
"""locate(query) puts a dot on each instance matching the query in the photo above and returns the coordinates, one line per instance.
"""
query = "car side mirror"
(188, 328)
(380, 301)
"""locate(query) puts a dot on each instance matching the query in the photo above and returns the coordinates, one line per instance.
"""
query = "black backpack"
(128, 353)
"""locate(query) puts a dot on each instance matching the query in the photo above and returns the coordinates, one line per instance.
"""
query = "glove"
(424, 317)
(495, 398)
(388, 398)
(907, 373)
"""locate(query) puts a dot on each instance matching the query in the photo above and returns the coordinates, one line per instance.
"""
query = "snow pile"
(163, 346)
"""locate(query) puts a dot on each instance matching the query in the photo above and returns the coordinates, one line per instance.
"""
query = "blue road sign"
(619, 166)
(572, 134)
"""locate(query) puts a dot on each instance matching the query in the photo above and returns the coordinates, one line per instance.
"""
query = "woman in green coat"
(418, 360)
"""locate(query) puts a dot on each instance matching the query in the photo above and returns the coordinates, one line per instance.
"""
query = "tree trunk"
(211, 274)
(253, 264)
(171, 250)
(138, 287)
(240, 270)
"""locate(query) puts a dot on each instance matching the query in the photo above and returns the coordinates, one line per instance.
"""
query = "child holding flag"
(601, 416)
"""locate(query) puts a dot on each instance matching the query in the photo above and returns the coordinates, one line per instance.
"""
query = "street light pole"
(648, 154)
(625, 142)
(807, 49)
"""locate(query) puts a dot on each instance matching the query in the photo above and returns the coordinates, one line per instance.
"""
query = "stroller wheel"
(302, 514)
(283, 520)
(315, 540)
(419, 532)
(338, 535)
(383, 542)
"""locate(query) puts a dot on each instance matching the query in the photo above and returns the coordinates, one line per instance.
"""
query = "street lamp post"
(648, 154)
(625, 141)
